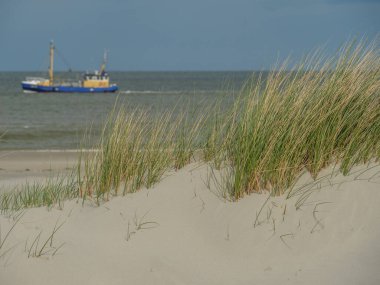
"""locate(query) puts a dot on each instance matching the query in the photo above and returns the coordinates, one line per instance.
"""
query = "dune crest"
(180, 232)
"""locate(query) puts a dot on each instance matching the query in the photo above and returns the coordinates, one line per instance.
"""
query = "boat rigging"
(92, 82)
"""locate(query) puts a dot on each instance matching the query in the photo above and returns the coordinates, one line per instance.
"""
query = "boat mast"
(51, 66)
(103, 66)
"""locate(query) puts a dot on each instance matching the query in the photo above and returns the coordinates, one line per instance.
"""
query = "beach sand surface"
(17, 167)
(182, 232)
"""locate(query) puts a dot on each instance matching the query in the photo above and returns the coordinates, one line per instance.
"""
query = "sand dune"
(180, 232)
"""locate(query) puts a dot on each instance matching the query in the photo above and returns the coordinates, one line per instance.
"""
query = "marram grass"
(323, 111)
(52, 192)
(135, 150)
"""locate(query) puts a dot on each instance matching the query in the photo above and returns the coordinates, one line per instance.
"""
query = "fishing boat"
(92, 82)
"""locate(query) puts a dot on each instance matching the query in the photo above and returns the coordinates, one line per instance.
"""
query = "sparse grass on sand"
(52, 192)
(322, 111)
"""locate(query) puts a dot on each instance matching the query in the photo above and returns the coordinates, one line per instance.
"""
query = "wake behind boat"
(96, 82)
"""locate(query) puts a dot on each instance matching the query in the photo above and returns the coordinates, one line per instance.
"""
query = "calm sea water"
(58, 121)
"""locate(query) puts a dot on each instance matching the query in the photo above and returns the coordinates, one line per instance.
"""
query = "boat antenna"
(51, 66)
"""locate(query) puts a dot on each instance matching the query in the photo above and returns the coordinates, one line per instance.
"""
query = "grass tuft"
(52, 192)
(323, 111)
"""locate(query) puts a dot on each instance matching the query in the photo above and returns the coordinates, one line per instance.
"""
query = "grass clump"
(135, 150)
(52, 192)
(320, 112)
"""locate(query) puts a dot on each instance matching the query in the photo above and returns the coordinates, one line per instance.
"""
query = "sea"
(40, 121)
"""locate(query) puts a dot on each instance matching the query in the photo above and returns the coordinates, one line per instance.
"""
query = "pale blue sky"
(177, 34)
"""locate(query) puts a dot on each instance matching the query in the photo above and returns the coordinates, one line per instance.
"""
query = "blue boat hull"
(67, 89)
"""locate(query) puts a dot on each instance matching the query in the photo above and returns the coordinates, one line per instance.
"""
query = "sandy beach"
(31, 165)
(181, 232)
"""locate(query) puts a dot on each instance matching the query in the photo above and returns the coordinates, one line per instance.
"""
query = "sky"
(171, 35)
